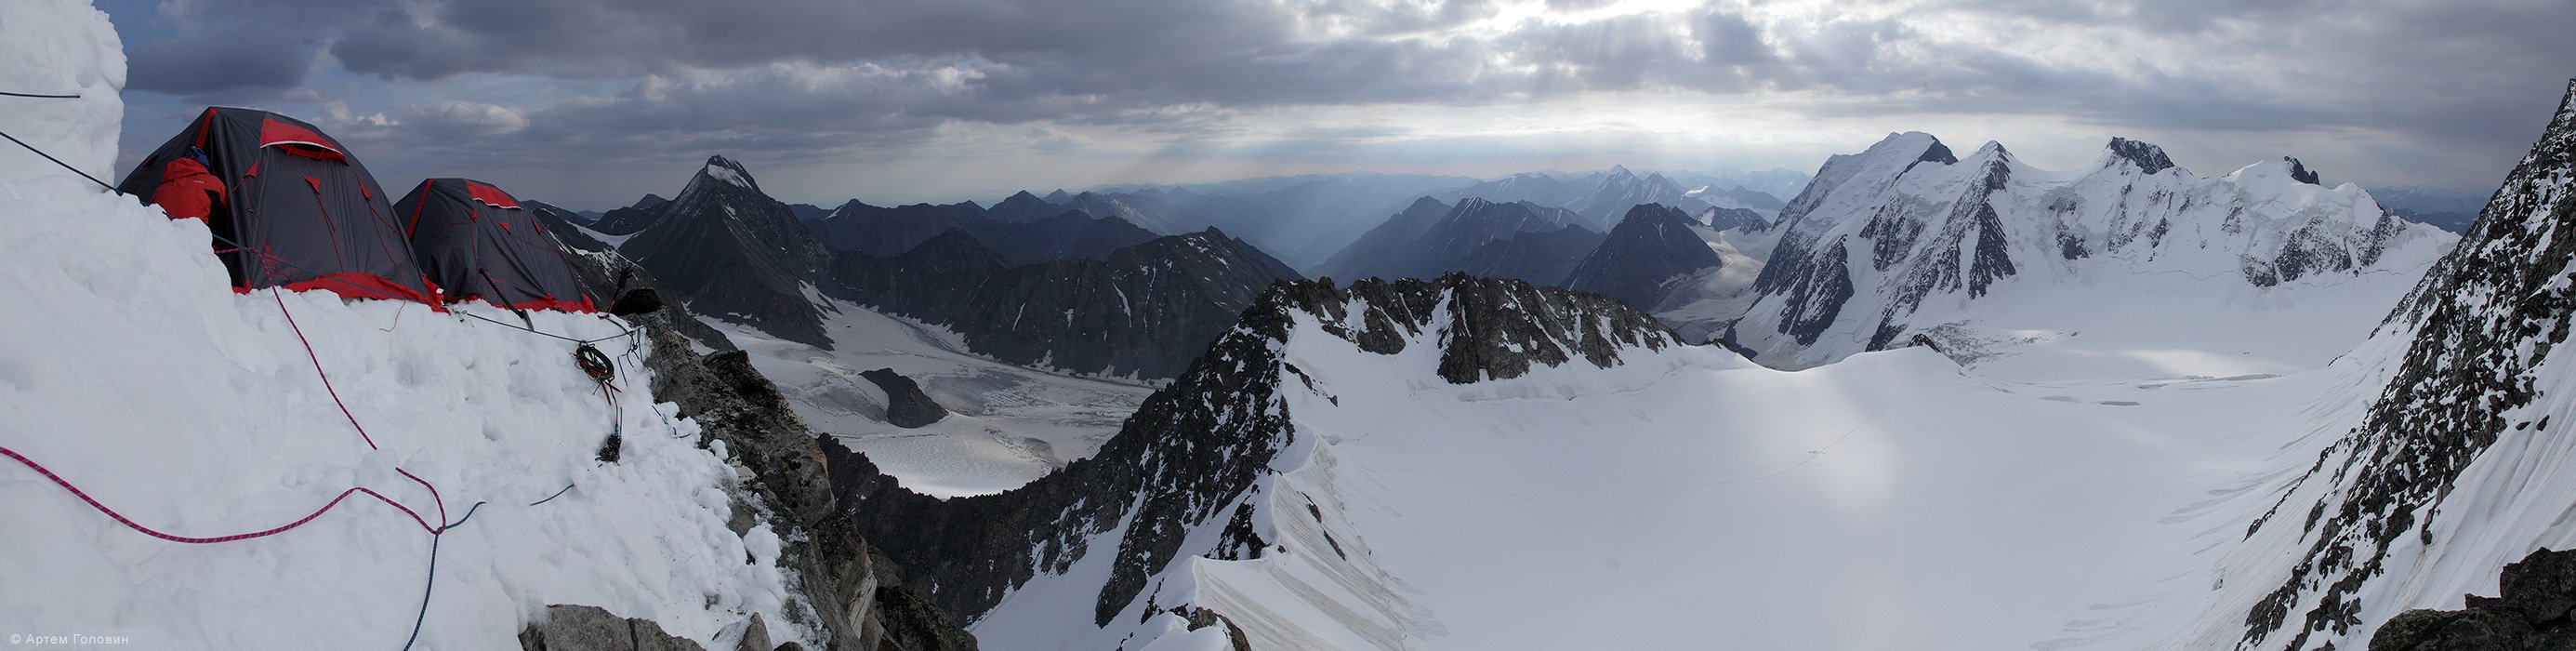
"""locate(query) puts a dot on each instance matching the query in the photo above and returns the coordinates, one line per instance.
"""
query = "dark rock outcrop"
(906, 405)
(2531, 614)
(2483, 319)
(1651, 246)
(1190, 455)
(2299, 172)
(2149, 158)
(591, 628)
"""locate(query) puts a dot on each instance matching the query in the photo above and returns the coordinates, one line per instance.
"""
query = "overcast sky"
(591, 103)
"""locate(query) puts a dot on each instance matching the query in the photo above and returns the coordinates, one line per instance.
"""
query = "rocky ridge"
(2483, 319)
(1191, 457)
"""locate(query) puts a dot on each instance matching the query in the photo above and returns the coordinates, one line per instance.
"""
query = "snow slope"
(130, 369)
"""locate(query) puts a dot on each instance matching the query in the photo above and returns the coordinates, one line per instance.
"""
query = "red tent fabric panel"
(275, 132)
(491, 196)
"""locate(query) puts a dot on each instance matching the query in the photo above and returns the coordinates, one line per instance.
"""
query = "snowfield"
(1009, 424)
(1693, 499)
(1891, 501)
(132, 370)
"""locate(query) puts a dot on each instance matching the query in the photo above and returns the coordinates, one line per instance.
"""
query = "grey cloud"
(202, 63)
(826, 77)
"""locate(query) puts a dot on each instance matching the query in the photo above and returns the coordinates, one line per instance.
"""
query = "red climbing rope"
(130, 524)
(344, 408)
(317, 369)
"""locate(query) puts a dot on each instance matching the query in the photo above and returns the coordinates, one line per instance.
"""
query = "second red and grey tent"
(476, 242)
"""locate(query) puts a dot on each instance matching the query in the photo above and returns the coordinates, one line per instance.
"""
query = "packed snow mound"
(59, 47)
(1905, 238)
(132, 371)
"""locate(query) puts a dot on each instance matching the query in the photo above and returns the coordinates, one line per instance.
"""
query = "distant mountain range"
(1646, 249)
(1072, 292)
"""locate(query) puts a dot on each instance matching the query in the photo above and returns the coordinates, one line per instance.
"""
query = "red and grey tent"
(476, 242)
(298, 211)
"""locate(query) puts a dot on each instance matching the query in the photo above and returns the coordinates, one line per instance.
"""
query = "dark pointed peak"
(1426, 203)
(2149, 158)
(2564, 125)
(649, 201)
(1021, 196)
(727, 170)
(1653, 209)
(2300, 172)
(1058, 196)
(1621, 170)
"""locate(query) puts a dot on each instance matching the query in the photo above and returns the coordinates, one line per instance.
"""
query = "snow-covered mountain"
(1471, 463)
(731, 252)
(1619, 189)
(1906, 239)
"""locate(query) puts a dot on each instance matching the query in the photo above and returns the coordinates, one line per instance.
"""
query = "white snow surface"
(1894, 500)
(59, 47)
(1007, 424)
(132, 370)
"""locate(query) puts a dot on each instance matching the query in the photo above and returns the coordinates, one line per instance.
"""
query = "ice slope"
(1010, 423)
(128, 367)
(1996, 255)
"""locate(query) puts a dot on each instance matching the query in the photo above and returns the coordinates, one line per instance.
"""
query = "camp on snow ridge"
(291, 208)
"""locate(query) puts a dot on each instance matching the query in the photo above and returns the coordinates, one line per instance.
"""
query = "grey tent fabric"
(476, 242)
(306, 214)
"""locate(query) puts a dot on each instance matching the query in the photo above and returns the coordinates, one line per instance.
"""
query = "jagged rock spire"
(2148, 157)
